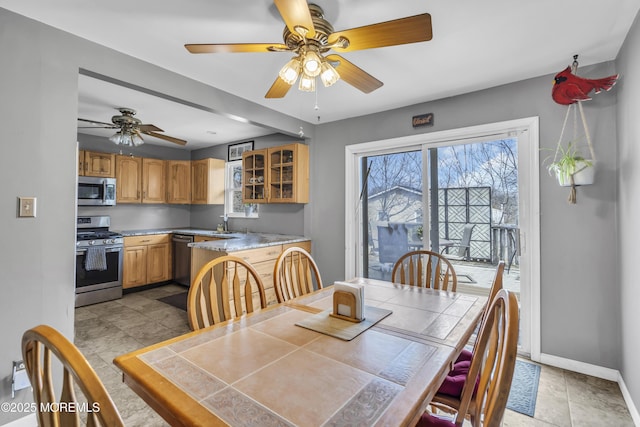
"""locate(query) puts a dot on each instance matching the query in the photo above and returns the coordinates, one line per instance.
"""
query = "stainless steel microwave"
(93, 191)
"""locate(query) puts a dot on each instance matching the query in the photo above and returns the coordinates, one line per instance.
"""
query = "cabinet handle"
(138, 194)
(144, 241)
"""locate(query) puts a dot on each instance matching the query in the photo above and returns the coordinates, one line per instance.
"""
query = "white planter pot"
(583, 175)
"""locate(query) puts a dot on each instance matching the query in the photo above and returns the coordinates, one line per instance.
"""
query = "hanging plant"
(570, 168)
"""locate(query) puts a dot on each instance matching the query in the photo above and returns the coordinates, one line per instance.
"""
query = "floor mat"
(524, 388)
(176, 300)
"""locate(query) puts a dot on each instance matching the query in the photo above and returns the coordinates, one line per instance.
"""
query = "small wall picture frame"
(236, 150)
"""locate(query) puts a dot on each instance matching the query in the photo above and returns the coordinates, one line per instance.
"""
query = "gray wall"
(578, 242)
(629, 205)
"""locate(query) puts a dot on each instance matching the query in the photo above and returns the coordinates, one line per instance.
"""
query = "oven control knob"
(109, 242)
(92, 242)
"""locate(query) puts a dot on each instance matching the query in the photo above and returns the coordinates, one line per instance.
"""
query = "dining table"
(269, 368)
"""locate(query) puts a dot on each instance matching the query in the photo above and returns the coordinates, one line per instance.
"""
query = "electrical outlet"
(19, 379)
(27, 207)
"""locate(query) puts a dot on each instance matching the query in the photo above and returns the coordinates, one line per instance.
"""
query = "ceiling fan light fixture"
(307, 83)
(290, 72)
(136, 139)
(116, 138)
(328, 74)
(311, 63)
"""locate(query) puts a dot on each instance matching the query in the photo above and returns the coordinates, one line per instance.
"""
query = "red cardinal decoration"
(569, 88)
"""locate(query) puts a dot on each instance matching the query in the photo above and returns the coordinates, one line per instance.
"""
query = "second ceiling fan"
(310, 37)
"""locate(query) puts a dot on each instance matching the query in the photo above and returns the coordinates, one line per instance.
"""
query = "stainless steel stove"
(99, 256)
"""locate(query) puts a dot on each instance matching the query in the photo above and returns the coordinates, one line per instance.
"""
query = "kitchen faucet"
(225, 220)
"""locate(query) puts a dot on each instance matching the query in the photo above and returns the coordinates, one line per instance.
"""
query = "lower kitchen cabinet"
(147, 259)
(262, 259)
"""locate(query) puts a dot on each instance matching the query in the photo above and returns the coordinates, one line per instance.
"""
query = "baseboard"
(598, 372)
(28, 421)
(635, 415)
(580, 367)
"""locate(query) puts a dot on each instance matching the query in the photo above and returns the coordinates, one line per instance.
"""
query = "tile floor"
(103, 331)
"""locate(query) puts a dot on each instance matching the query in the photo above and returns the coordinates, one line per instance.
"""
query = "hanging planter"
(571, 169)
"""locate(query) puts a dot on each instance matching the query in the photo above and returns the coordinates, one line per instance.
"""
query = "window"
(233, 205)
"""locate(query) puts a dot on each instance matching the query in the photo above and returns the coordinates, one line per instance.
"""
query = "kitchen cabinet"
(262, 259)
(276, 175)
(147, 260)
(92, 163)
(207, 182)
(140, 180)
(179, 181)
(153, 181)
(128, 179)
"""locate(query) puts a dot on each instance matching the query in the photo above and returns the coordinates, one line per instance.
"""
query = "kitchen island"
(261, 250)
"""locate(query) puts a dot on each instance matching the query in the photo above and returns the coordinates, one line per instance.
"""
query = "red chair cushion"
(454, 382)
(464, 355)
(428, 420)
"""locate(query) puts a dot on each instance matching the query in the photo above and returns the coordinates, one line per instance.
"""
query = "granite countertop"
(229, 241)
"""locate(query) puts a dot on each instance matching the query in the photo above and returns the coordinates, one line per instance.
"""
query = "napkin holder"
(348, 302)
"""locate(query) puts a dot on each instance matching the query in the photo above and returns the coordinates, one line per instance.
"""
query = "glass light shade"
(307, 83)
(311, 63)
(289, 73)
(328, 74)
(116, 138)
(136, 139)
(126, 140)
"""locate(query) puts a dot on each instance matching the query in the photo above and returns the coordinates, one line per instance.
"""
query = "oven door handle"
(107, 250)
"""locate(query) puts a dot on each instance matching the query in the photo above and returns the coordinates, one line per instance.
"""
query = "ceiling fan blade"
(278, 89)
(412, 29)
(295, 13)
(165, 137)
(149, 128)
(236, 47)
(97, 124)
(354, 75)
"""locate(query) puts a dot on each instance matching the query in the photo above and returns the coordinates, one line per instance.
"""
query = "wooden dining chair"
(425, 269)
(447, 398)
(295, 273)
(488, 381)
(38, 344)
(220, 282)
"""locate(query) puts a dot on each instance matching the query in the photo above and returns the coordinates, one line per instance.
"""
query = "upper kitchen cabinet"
(254, 171)
(128, 179)
(91, 163)
(276, 175)
(207, 182)
(153, 181)
(179, 181)
(140, 180)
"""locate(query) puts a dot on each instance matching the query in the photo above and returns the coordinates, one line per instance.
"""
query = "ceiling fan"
(309, 36)
(130, 129)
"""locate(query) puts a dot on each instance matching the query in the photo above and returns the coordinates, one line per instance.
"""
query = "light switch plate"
(27, 207)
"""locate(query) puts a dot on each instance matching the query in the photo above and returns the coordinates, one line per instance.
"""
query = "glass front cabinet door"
(277, 175)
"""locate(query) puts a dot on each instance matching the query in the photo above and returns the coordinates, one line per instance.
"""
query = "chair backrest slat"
(425, 269)
(294, 274)
(38, 344)
(210, 300)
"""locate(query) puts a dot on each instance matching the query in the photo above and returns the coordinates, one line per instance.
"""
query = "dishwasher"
(182, 259)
